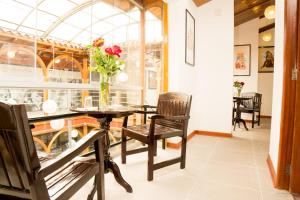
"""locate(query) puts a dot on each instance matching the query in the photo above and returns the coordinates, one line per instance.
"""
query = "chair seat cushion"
(248, 110)
(160, 131)
(78, 171)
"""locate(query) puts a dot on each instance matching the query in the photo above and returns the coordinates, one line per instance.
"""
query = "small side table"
(238, 117)
(104, 118)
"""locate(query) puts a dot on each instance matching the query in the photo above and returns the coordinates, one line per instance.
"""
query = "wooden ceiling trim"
(266, 28)
(246, 6)
(201, 2)
(252, 13)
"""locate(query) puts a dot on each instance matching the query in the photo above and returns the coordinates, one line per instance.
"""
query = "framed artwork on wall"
(189, 38)
(242, 60)
(266, 59)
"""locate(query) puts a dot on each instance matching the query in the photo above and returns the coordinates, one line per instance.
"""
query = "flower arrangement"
(107, 62)
(239, 86)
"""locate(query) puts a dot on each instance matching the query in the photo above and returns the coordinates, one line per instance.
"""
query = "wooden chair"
(170, 120)
(252, 106)
(23, 175)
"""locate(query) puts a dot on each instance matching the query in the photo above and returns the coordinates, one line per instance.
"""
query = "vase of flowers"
(107, 62)
(239, 86)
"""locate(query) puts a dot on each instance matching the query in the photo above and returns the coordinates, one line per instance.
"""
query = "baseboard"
(177, 145)
(266, 116)
(272, 170)
(214, 134)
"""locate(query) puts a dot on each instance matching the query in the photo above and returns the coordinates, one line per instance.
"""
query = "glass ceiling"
(78, 21)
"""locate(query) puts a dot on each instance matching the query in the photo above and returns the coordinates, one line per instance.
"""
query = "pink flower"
(109, 51)
(113, 51)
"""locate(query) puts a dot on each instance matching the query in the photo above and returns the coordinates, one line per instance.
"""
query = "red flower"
(113, 51)
(242, 83)
(116, 50)
(98, 42)
(109, 51)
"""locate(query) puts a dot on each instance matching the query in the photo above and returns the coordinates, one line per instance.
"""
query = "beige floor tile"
(233, 157)
(233, 175)
(216, 169)
(238, 143)
(216, 191)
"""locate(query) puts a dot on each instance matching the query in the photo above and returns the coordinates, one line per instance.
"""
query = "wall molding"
(272, 170)
(214, 134)
(174, 145)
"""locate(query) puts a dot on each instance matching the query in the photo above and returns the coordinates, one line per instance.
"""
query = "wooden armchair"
(170, 120)
(23, 175)
(252, 106)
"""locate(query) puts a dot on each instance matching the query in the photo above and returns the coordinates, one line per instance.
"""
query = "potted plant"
(239, 86)
(107, 62)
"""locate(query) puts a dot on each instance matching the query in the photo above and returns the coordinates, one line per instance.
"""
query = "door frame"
(289, 95)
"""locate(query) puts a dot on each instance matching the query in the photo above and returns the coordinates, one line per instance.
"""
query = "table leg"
(238, 118)
(109, 164)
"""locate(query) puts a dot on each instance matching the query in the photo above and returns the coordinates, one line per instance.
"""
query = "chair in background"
(170, 120)
(23, 175)
(252, 106)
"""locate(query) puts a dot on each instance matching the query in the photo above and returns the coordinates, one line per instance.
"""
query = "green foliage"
(104, 64)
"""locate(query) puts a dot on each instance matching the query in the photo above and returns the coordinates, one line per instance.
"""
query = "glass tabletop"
(42, 116)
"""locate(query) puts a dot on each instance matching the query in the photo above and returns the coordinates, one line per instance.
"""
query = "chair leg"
(259, 118)
(163, 143)
(155, 148)
(253, 118)
(99, 178)
(150, 161)
(232, 117)
(183, 153)
(123, 149)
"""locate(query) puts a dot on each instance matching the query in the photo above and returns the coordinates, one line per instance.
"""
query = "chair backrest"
(174, 104)
(18, 157)
(254, 102)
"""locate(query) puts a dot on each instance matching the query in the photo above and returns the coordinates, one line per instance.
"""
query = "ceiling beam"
(251, 13)
(200, 2)
(266, 28)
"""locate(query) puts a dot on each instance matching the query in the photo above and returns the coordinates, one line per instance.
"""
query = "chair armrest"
(180, 117)
(52, 165)
(144, 107)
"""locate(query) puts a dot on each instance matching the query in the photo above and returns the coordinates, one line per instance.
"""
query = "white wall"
(247, 33)
(265, 80)
(210, 80)
(278, 83)
(265, 87)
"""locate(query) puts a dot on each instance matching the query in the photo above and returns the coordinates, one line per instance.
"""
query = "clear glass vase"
(104, 93)
(239, 91)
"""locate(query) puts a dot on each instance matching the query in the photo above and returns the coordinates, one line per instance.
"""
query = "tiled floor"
(217, 169)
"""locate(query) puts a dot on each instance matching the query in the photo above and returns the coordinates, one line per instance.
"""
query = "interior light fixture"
(122, 77)
(270, 12)
(11, 101)
(267, 37)
(57, 61)
(49, 106)
(74, 133)
(11, 54)
(57, 124)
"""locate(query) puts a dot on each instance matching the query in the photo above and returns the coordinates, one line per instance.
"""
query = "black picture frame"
(244, 48)
(262, 59)
(190, 32)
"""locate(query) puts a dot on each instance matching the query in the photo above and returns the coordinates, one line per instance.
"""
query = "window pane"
(56, 7)
(64, 32)
(12, 11)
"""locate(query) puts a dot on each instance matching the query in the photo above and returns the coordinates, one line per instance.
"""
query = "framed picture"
(242, 60)
(189, 38)
(152, 83)
(266, 59)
